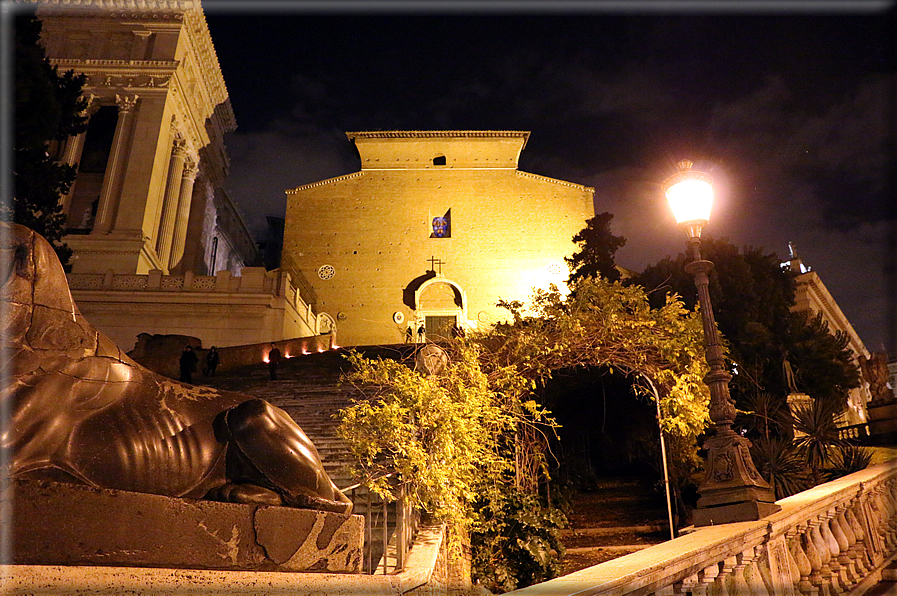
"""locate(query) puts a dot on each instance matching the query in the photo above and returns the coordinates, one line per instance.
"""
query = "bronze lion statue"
(77, 409)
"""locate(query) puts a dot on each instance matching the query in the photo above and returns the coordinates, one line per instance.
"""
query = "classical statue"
(79, 410)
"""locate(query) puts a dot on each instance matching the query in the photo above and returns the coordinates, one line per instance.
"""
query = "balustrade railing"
(389, 528)
(832, 539)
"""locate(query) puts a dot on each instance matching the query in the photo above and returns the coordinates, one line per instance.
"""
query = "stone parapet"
(69, 524)
(222, 310)
(46, 580)
(834, 538)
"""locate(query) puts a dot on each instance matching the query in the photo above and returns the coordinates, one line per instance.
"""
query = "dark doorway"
(440, 327)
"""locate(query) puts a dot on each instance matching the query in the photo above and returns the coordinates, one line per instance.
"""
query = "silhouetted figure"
(421, 333)
(188, 364)
(409, 335)
(213, 359)
(273, 360)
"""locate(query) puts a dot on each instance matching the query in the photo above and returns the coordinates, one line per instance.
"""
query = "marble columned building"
(159, 247)
(152, 163)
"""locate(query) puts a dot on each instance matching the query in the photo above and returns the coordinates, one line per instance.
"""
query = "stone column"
(170, 200)
(74, 145)
(182, 218)
(109, 196)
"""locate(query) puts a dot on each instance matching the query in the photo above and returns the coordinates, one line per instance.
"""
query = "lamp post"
(732, 490)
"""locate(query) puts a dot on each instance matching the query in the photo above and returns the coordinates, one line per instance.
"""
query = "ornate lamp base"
(732, 490)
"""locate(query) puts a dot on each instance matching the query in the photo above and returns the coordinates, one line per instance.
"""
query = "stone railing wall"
(831, 539)
(220, 309)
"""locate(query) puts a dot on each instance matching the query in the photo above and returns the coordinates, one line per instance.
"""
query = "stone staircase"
(618, 516)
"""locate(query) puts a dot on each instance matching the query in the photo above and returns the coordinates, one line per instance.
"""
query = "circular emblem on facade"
(398, 318)
(326, 271)
(341, 316)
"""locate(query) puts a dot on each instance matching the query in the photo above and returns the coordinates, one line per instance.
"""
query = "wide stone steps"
(620, 516)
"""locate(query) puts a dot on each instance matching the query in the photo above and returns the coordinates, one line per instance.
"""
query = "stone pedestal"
(67, 524)
(882, 421)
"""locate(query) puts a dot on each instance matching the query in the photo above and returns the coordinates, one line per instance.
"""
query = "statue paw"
(244, 493)
(305, 501)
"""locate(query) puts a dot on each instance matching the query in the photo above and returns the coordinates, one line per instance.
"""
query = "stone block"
(68, 524)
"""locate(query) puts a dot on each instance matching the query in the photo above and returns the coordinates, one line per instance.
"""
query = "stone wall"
(221, 310)
(366, 242)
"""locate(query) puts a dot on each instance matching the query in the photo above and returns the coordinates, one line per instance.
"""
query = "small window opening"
(439, 160)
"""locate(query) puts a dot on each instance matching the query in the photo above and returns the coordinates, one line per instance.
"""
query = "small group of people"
(421, 334)
(189, 360)
(456, 330)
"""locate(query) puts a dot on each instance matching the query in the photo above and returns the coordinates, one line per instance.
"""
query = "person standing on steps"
(188, 364)
(273, 361)
(212, 361)
(421, 334)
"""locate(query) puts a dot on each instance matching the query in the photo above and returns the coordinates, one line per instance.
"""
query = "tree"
(49, 107)
(456, 441)
(752, 297)
(597, 246)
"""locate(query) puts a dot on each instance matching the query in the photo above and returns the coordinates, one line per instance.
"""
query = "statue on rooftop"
(79, 410)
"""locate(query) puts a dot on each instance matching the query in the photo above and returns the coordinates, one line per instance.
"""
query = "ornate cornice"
(291, 191)
(115, 7)
(556, 181)
(439, 134)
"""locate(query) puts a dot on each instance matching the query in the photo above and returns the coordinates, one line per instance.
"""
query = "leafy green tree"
(458, 441)
(49, 107)
(597, 246)
(752, 298)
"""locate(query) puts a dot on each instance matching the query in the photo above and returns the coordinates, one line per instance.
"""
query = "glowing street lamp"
(732, 490)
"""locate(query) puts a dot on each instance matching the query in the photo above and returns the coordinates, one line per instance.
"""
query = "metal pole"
(663, 455)
(732, 490)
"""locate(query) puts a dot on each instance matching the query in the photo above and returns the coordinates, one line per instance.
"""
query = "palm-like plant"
(816, 433)
(847, 460)
(765, 414)
(781, 465)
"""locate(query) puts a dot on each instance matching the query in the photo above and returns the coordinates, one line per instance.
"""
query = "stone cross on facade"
(434, 262)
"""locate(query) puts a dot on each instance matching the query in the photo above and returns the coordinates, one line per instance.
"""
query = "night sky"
(792, 112)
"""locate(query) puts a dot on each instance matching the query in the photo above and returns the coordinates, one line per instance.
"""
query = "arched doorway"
(440, 305)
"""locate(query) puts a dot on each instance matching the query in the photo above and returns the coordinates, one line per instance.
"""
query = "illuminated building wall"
(435, 228)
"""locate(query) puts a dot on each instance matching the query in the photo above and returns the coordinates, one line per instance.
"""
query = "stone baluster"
(760, 576)
(804, 569)
(705, 580)
(822, 549)
(878, 521)
(864, 546)
(849, 553)
(809, 548)
(723, 584)
(740, 573)
(121, 140)
(848, 571)
(839, 577)
(862, 556)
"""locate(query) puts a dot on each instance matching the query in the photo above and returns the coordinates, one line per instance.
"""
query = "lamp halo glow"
(690, 194)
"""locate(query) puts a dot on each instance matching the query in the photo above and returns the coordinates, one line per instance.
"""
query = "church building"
(432, 232)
